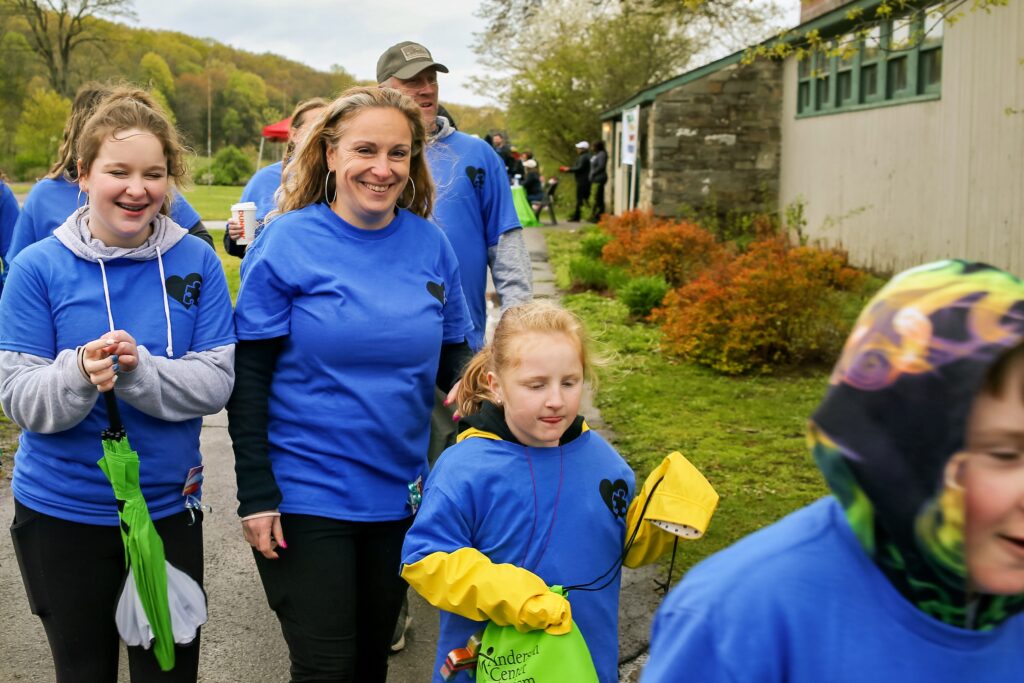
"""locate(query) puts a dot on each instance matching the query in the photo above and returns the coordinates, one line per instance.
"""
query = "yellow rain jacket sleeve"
(467, 583)
(680, 506)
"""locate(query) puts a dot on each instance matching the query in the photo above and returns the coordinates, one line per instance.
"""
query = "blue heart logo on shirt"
(476, 176)
(616, 496)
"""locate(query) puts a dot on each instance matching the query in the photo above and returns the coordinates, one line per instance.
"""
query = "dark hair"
(599, 146)
(998, 373)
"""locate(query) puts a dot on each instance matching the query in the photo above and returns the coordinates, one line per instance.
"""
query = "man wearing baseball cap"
(473, 207)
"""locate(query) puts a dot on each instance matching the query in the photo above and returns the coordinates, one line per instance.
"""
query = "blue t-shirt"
(481, 495)
(51, 201)
(365, 313)
(8, 217)
(474, 207)
(801, 602)
(54, 301)
(261, 188)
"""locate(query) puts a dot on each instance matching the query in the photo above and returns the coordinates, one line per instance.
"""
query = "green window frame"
(898, 61)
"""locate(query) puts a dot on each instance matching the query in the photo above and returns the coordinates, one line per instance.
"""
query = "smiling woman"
(120, 294)
(350, 312)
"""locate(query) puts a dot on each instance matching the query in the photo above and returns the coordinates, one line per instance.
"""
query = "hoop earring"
(411, 199)
(327, 182)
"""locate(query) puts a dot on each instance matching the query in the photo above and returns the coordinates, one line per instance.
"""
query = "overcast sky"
(325, 32)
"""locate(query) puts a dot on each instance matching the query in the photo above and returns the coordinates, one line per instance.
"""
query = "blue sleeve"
(264, 305)
(499, 211)
(215, 325)
(25, 310)
(8, 217)
(457, 323)
(440, 525)
(24, 233)
(684, 647)
(182, 212)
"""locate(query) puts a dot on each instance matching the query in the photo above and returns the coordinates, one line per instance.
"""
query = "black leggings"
(336, 590)
(73, 575)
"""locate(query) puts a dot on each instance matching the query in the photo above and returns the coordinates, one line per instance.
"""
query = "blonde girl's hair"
(501, 353)
(126, 108)
(297, 119)
(307, 171)
(86, 100)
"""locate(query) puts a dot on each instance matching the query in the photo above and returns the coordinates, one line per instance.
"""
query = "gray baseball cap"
(405, 60)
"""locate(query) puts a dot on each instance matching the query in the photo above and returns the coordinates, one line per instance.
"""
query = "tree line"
(49, 48)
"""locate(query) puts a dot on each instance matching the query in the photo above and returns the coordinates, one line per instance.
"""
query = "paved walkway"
(242, 641)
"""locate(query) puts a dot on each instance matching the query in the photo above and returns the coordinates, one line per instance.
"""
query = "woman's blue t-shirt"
(54, 301)
(365, 313)
(261, 188)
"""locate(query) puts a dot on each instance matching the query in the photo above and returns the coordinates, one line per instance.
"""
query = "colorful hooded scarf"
(896, 412)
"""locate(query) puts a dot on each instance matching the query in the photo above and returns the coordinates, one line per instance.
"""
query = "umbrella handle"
(113, 412)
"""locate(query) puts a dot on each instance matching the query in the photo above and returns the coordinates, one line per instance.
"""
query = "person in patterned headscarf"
(914, 568)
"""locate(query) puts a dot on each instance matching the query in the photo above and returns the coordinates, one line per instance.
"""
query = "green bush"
(642, 294)
(593, 243)
(590, 273)
(231, 167)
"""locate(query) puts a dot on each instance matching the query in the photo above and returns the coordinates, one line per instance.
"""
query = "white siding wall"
(902, 185)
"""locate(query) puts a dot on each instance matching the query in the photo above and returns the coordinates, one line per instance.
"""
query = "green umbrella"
(144, 550)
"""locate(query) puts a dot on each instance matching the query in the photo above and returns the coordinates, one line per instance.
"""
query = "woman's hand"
(264, 534)
(449, 399)
(234, 229)
(104, 358)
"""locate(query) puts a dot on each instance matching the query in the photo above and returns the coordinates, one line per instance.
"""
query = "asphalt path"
(242, 640)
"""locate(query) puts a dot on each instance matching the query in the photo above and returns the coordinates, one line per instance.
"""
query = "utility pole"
(209, 119)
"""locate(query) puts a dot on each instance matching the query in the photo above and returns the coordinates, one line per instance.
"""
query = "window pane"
(803, 67)
(931, 68)
(844, 87)
(933, 25)
(803, 102)
(871, 43)
(896, 75)
(822, 92)
(900, 37)
(869, 81)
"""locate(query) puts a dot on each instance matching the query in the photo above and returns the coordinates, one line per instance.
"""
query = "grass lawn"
(213, 202)
(745, 434)
(230, 263)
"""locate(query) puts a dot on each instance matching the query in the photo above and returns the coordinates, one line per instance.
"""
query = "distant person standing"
(598, 178)
(581, 171)
(505, 152)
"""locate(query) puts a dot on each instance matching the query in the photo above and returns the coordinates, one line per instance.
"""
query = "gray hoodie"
(47, 396)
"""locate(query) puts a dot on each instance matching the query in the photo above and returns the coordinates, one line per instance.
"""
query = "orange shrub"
(648, 246)
(763, 309)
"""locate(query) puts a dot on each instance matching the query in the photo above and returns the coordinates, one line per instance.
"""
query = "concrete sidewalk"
(242, 641)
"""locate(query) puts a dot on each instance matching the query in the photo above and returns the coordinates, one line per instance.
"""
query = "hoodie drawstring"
(163, 288)
(167, 309)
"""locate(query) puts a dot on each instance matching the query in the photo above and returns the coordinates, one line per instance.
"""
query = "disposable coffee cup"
(245, 214)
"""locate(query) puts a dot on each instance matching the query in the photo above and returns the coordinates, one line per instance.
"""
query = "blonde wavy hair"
(87, 98)
(298, 117)
(502, 352)
(304, 184)
(125, 108)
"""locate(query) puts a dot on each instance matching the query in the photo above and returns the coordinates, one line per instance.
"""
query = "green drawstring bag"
(512, 657)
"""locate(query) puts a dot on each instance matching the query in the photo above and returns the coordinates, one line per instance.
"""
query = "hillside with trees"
(210, 89)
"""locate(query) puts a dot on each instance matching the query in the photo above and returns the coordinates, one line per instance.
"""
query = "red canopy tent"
(276, 132)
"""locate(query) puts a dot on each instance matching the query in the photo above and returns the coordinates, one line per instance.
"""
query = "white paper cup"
(245, 214)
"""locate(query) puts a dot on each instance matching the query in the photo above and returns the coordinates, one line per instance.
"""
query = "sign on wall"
(630, 135)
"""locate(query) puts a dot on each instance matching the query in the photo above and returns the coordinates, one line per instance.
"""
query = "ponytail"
(474, 388)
